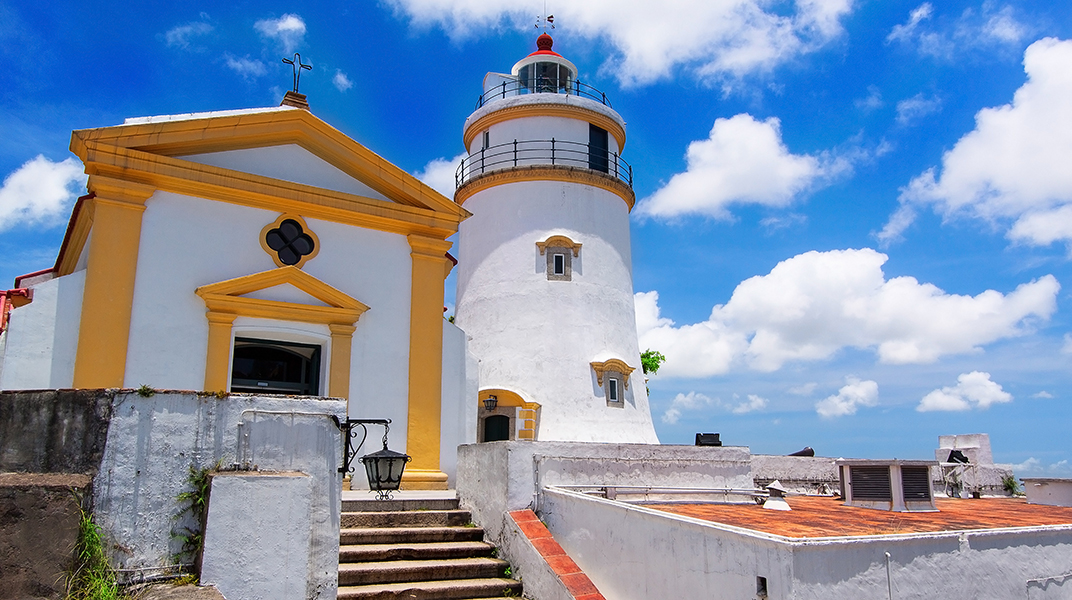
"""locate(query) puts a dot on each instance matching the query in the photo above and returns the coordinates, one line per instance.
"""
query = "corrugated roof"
(814, 516)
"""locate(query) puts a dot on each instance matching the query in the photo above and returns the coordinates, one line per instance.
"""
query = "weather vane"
(297, 65)
(545, 22)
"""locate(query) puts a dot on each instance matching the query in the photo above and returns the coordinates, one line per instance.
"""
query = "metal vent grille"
(916, 483)
(871, 483)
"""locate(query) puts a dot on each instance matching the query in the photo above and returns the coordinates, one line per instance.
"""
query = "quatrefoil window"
(289, 241)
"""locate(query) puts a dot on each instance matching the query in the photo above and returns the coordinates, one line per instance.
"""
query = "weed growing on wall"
(93, 578)
(193, 501)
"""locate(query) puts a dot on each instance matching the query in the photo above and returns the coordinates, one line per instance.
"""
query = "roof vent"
(708, 439)
(895, 485)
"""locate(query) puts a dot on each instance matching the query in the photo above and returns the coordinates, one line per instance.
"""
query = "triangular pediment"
(225, 134)
(258, 295)
(285, 293)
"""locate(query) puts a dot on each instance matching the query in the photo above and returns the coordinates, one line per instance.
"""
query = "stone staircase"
(417, 550)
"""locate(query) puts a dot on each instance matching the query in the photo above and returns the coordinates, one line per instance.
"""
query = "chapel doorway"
(496, 428)
(273, 367)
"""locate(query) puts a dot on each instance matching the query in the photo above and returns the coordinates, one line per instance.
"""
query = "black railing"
(516, 87)
(530, 153)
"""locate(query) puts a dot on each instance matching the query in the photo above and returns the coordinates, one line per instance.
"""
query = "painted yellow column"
(342, 338)
(218, 357)
(425, 364)
(108, 296)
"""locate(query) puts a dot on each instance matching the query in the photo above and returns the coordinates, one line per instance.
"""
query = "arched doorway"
(496, 428)
(517, 416)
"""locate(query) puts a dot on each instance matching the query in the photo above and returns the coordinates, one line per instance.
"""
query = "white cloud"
(1043, 394)
(439, 174)
(1014, 166)
(804, 389)
(341, 81)
(288, 30)
(180, 35)
(1066, 348)
(247, 67)
(973, 390)
(916, 107)
(853, 394)
(709, 38)
(753, 403)
(872, 101)
(686, 402)
(814, 304)
(1034, 467)
(974, 29)
(743, 161)
(40, 192)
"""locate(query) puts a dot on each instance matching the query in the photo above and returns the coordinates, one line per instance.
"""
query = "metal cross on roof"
(297, 66)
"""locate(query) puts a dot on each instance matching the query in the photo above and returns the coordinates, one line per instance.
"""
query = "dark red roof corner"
(10, 299)
(577, 583)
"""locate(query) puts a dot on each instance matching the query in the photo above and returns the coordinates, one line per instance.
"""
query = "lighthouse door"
(496, 428)
(597, 149)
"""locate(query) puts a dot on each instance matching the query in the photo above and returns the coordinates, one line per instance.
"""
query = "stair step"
(400, 571)
(398, 505)
(406, 551)
(409, 535)
(453, 589)
(406, 518)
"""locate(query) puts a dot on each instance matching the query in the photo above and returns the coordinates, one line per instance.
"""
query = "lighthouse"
(545, 285)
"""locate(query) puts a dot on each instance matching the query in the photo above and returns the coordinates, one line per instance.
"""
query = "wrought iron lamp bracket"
(349, 434)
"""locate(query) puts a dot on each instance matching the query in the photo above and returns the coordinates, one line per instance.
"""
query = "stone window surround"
(563, 246)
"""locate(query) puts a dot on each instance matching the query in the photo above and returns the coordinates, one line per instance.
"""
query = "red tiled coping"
(571, 575)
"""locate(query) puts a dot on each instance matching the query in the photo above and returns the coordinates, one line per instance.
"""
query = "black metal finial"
(297, 66)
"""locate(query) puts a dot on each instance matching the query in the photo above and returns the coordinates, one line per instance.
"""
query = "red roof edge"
(12, 299)
(70, 229)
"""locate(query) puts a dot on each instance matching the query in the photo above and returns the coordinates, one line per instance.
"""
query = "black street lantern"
(384, 469)
(491, 402)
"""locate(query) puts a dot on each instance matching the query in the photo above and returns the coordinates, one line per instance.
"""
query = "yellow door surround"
(527, 414)
(226, 301)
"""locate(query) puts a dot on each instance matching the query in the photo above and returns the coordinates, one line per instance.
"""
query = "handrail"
(515, 87)
(529, 153)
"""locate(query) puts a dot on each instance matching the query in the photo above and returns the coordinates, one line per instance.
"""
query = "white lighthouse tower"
(545, 285)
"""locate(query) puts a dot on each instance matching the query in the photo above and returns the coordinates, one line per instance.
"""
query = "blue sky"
(854, 219)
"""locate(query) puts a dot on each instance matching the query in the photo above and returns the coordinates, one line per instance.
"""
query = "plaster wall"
(251, 555)
(540, 99)
(539, 337)
(1052, 491)
(799, 474)
(289, 162)
(217, 241)
(154, 442)
(459, 401)
(630, 551)
(42, 336)
(530, 129)
(497, 477)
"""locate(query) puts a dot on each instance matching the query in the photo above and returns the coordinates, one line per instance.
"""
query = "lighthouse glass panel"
(559, 264)
(614, 391)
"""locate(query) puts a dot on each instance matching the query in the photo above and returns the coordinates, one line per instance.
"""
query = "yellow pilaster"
(109, 288)
(342, 337)
(218, 358)
(425, 364)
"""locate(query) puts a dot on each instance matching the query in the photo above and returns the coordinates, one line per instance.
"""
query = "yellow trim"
(425, 359)
(216, 133)
(546, 173)
(567, 111)
(424, 479)
(613, 365)
(225, 302)
(559, 241)
(305, 229)
(527, 412)
(108, 295)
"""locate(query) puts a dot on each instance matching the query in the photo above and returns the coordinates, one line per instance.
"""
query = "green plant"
(145, 391)
(651, 360)
(194, 501)
(1010, 485)
(508, 572)
(93, 578)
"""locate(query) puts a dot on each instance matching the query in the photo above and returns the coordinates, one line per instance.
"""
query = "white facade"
(537, 333)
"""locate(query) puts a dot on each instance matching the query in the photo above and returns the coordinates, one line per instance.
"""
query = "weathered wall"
(39, 518)
(799, 474)
(53, 431)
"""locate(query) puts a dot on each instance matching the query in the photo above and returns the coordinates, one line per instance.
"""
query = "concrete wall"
(497, 477)
(154, 442)
(54, 431)
(1048, 490)
(633, 552)
(459, 400)
(799, 474)
(42, 336)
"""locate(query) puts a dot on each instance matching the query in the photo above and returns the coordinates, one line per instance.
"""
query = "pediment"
(286, 293)
(216, 138)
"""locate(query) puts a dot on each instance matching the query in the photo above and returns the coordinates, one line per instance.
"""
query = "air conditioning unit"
(895, 485)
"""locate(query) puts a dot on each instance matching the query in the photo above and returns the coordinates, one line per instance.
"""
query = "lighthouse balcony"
(508, 87)
(525, 154)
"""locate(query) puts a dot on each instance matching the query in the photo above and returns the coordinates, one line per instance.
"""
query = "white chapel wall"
(42, 336)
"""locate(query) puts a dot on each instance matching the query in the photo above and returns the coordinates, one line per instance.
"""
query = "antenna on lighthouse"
(545, 20)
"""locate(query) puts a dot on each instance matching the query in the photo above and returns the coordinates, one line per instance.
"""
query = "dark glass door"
(598, 145)
(496, 428)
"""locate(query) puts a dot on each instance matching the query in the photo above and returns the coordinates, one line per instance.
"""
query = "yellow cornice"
(559, 241)
(270, 128)
(205, 181)
(546, 173)
(567, 111)
(612, 365)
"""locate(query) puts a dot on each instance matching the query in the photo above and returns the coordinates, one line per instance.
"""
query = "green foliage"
(651, 360)
(1010, 485)
(145, 391)
(93, 577)
(194, 501)
(508, 571)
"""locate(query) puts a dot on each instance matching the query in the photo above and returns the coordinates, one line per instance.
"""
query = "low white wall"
(1046, 490)
(528, 565)
(800, 474)
(154, 442)
(42, 336)
(631, 552)
(459, 400)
